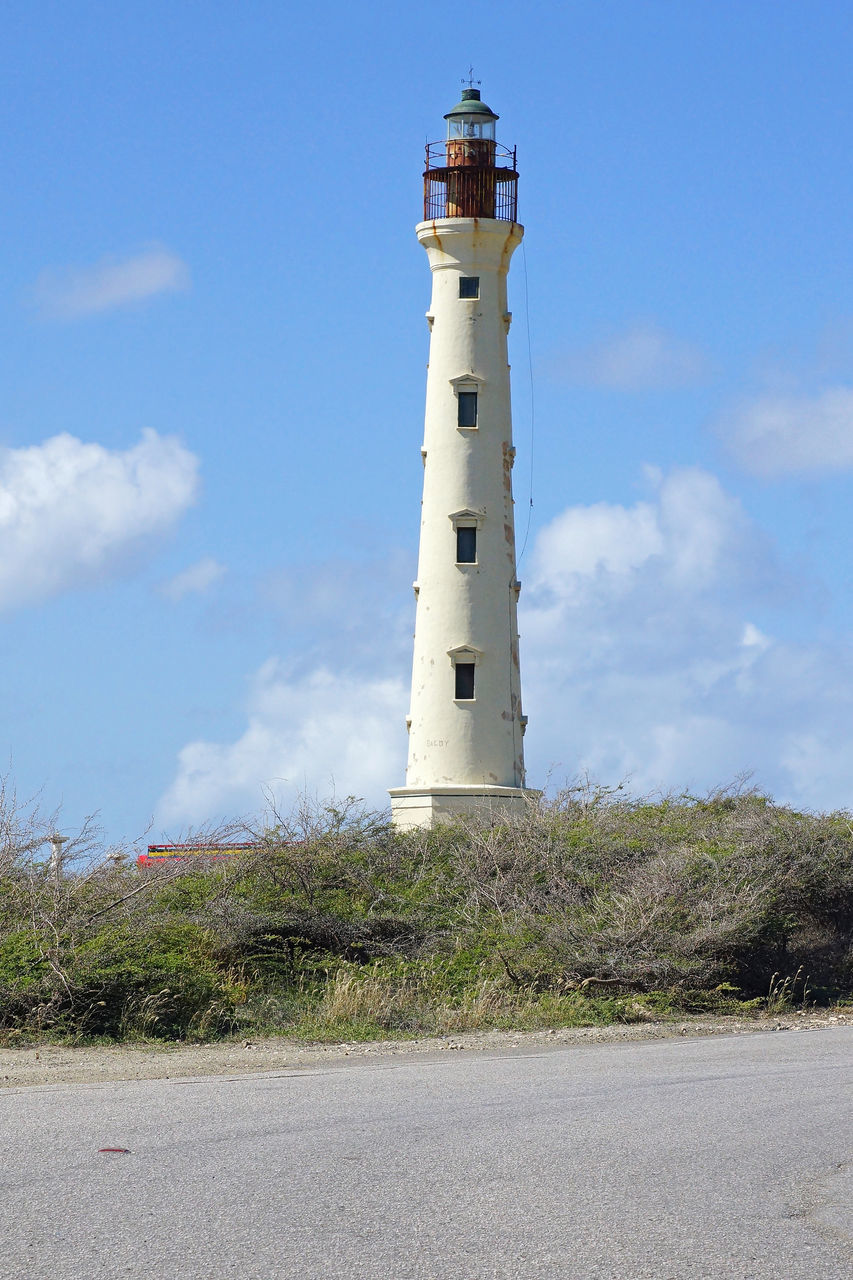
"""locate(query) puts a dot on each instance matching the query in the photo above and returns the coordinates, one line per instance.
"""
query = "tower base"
(416, 807)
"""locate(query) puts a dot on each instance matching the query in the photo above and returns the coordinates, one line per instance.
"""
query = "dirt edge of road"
(58, 1064)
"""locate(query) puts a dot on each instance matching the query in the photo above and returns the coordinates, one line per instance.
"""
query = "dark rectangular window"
(467, 408)
(466, 545)
(465, 680)
(469, 286)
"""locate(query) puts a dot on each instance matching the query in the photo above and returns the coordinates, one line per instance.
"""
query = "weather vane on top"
(471, 80)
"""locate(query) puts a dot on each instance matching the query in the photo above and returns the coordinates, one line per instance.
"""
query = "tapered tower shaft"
(466, 724)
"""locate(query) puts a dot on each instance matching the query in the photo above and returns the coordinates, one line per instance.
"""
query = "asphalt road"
(694, 1158)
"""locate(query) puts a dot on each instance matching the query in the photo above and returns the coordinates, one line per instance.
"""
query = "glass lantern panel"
(470, 127)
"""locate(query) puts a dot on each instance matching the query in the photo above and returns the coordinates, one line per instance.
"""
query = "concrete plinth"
(411, 807)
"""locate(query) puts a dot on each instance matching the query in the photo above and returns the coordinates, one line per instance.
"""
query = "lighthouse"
(465, 723)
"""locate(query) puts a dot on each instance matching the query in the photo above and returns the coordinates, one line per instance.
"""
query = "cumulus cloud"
(112, 282)
(653, 648)
(315, 730)
(194, 580)
(687, 533)
(69, 510)
(776, 435)
(644, 358)
(643, 657)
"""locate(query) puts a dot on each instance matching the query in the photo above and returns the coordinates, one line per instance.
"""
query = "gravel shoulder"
(57, 1064)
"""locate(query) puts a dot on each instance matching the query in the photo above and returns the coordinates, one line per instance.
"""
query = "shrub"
(592, 905)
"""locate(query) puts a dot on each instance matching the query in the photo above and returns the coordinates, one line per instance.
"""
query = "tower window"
(464, 680)
(466, 544)
(469, 286)
(467, 408)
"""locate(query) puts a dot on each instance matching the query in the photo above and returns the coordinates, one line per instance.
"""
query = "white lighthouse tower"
(466, 726)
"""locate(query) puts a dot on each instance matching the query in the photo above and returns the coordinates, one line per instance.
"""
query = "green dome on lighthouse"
(471, 105)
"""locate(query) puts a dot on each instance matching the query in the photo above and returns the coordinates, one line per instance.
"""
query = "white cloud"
(684, 532)
(604, 537)
(194, 580)
(775, 435)
(112, 282)
(752, 638)
(317, 730)
(642, 656)
(642, 359)
(69, 511)
(653, 647)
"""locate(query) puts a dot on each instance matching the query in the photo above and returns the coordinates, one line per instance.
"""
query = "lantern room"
(470, 132)
(469, 174)
(471, 118)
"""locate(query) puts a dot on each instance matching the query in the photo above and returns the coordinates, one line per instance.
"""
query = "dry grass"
(591, 906)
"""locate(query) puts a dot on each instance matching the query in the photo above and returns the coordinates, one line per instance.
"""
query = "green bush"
(592, 906)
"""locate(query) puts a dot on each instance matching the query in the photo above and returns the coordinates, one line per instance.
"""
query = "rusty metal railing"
(470, 180)
(437, 152)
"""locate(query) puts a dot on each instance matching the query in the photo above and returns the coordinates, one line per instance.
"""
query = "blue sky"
(212, 376)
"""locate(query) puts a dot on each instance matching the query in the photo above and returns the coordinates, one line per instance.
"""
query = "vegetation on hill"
(593, 907)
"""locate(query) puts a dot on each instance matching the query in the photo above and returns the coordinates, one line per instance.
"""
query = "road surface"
(726, 1157)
